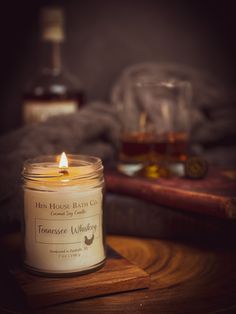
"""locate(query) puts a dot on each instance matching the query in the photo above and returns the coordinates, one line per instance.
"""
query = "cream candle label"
(63, 230)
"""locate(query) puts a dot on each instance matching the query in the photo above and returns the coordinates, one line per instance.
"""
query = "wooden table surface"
(185, 278)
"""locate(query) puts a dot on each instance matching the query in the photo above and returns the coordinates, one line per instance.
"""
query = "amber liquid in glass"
(142, 147)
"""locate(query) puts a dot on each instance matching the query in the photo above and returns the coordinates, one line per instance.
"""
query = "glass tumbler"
(156, 122)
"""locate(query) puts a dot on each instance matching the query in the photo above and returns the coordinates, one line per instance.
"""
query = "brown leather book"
(127, 215)
(214, 195)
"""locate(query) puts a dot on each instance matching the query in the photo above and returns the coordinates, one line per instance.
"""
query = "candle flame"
(63, 163)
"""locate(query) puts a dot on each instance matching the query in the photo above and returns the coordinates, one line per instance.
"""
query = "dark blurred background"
(104, 37)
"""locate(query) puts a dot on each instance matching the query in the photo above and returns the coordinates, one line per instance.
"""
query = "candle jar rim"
(47, 166)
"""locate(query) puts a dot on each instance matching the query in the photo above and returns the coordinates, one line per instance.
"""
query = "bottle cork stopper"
(52, 24)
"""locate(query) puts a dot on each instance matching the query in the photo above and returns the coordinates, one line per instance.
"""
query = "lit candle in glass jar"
(63, 215)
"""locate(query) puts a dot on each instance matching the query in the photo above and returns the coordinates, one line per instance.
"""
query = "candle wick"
(65, 172)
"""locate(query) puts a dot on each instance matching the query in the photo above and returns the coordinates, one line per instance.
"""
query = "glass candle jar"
(63, 215)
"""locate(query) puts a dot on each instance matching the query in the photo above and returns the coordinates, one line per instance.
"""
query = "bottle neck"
(52, 57)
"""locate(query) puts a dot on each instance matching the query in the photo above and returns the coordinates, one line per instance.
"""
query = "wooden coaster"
(117, 275)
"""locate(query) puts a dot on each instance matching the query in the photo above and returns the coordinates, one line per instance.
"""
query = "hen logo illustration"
(88, 241)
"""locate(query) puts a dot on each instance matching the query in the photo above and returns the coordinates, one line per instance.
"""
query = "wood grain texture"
(117, 275)
(185, 278)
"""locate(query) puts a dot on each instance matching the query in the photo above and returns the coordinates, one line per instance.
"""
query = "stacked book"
(174, 207)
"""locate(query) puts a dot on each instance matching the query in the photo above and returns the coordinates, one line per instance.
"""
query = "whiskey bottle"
(54, 91)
